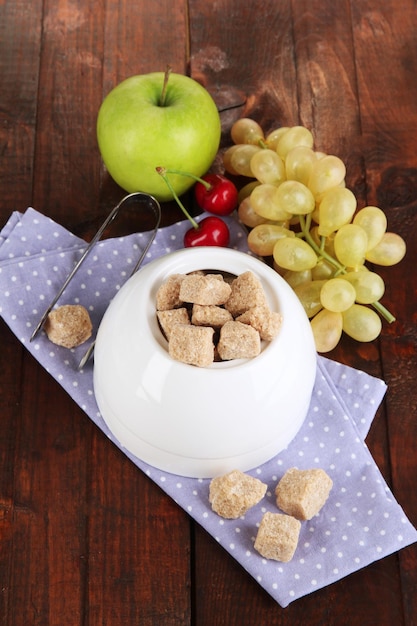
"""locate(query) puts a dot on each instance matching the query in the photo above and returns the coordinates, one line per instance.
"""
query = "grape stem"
(341, 269)
(163, 173)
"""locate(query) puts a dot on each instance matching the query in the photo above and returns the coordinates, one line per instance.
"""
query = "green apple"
(158, 120)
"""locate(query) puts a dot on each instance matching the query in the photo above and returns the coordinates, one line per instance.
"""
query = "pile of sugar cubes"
(208, 318)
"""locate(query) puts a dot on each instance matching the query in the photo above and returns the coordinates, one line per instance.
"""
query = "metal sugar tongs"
(148, 202)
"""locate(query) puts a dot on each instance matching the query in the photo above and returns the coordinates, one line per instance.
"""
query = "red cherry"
(220, 198)
(211, 231)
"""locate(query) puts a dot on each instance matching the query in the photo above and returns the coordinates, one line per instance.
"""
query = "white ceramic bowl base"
(201, 422)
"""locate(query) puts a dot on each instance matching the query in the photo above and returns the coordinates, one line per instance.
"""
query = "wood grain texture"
(86, 538)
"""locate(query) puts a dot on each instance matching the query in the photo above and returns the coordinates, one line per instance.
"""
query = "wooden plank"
(234, 63)
(49, 535)
(386, 40)
(138, 570)
(10, 362)
(20, 41)
(67, 174)
(49, 512)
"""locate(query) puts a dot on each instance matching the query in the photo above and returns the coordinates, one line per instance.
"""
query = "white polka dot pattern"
(360, 523)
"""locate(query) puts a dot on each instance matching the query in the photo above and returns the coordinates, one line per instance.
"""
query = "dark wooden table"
(85, 537)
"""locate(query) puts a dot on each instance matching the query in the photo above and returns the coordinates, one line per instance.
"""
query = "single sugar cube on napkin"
(302, 493)
(277, 536)
(233, 494)
(69, 325)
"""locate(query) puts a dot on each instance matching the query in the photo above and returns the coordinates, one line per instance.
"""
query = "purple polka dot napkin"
(361, 521)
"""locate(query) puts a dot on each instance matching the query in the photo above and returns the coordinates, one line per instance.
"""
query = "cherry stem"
(197, 179)
(163, 96)
(341, 269)
(163, 172)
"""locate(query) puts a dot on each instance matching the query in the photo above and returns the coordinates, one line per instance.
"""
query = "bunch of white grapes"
(300, 213)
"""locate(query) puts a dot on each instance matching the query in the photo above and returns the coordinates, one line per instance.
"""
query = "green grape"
(247, 215)
(227, 160)
(323, 270)
(314, 232)
(361, 323)
(295, 198)
(350, 243)
(237, 158)
(263, 203)
(308, 293)
(296, 278)
(315, 216)
(327, 329)
(246, 130)
(293, 137)
(389, 251)
(293, 253)
(246, 190)
(336, 208)
(299, 164)
(369, 286)
(337, 295)
(268, 167)
(327, 172)
(274, 136)
(262, 238)
(374, 222)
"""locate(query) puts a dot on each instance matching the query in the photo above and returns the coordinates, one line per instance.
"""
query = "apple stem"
(163, 172)
(162, 99)
(205, 184)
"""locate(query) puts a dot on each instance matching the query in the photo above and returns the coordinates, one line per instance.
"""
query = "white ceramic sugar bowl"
(201, 422)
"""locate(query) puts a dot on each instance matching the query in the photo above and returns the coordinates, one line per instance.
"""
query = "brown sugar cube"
(208, 315)
(238, 341)
(235, 493)
(209, 289)
(168, 294)
(265, 321)
(169, 318)
(247, 292)
(192, 344)
(68, 325)
(302, 493)
(277, 536)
